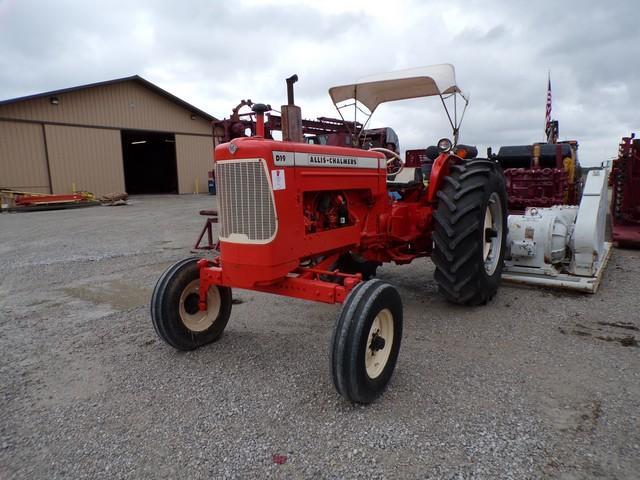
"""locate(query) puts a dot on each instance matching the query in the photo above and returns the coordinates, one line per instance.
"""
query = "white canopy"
(413, 83)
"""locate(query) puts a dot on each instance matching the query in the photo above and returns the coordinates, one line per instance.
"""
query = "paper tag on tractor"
(277, 179)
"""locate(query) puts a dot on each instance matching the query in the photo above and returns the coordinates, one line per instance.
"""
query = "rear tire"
(366, 341)
(470, 233)
(175, 312)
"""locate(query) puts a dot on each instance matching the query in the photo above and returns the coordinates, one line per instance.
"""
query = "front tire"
(175, 311)
(470, 233)
(366, 341)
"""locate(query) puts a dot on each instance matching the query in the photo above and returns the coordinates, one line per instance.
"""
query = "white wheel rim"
(492, 234)
(199, 320)
(382, 328)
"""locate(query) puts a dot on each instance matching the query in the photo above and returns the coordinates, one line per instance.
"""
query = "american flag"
(548, 111)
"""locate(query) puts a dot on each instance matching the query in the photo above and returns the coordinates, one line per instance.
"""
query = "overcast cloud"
(214, 53)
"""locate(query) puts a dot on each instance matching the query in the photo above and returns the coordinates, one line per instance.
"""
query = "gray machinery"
(562, 246)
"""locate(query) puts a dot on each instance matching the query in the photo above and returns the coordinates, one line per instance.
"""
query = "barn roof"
(134, 78)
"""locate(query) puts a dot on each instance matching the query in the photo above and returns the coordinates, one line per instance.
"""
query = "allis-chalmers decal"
(314, 160)
(337, 161)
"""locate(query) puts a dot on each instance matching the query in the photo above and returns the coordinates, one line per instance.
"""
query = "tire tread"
(458, 219)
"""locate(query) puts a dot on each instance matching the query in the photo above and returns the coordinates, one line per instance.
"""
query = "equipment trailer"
(314, 222)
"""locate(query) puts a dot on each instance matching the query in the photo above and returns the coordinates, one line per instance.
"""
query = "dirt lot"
(538, 384)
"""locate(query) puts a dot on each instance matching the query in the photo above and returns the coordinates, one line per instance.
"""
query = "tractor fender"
(439, 170)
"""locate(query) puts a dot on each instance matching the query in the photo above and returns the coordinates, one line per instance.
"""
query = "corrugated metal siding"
(23, 161)
(126, 105)
(194, 159)
(89, 157)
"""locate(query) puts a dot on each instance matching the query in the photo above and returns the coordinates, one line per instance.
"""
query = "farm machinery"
(625, 202)
(561, 246)
(314, 221)
(320, 131)
(541, 174)
(557, 225)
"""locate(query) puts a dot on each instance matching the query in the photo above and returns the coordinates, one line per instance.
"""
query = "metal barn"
(120, 135)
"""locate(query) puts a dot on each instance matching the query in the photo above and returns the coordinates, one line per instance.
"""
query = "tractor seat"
(420, 162)
(408, 177)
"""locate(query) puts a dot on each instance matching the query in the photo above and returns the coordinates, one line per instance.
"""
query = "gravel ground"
(538, 384)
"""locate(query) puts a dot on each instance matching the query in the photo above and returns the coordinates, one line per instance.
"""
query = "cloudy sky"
(214, 53)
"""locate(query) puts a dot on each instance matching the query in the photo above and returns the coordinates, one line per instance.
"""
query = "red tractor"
(314, 222)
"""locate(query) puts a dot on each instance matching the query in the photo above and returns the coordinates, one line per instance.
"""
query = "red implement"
(49, 199)
(625, 201)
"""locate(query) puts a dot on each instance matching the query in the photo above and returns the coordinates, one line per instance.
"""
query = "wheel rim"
(192, 317)
(379, 343)
(492, 234)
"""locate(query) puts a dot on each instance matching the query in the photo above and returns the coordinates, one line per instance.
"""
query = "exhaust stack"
(291, 115)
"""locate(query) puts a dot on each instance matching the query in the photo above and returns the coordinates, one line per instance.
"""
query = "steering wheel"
(390, 161)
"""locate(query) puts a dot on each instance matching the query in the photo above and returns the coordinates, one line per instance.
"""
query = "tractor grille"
(245, 201)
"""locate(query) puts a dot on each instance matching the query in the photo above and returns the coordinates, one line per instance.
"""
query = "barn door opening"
(149, 162)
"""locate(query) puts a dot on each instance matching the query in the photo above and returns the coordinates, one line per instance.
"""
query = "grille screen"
(245, 201)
